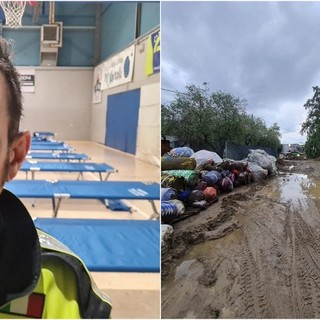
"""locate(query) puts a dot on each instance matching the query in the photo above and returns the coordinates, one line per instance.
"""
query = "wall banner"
(97, 76)
(153, 54)
(27, 79)
(118, 70)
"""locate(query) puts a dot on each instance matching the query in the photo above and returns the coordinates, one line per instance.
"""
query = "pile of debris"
(294, 156)
(191, 181)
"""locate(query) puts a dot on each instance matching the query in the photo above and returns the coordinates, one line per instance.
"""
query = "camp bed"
(109, 245)
(41, 166)
(101, 190)
(41, 139)
(49, 146)
(42, 136)
(57, 156)
(46, 134)
(47, 143)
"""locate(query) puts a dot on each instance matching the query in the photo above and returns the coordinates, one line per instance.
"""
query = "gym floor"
(133, 295)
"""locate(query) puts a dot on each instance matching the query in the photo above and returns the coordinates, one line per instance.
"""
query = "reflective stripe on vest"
(50, 243)
(65, 288)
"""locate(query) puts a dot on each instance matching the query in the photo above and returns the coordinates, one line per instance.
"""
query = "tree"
(210, 121)
(228, 112)
(312, 124)
(312, 145)
(188, 117)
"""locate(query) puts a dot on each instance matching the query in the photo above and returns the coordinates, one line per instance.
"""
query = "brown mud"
(253, 254)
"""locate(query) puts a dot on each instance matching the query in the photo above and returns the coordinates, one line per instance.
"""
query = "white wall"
(148, 135)
(61, 103)
(148, 138)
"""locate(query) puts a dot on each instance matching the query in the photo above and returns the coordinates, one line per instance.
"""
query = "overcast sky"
(265, 52)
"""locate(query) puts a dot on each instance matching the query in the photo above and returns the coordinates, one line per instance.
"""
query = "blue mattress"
(101, 190)
(66, 166)
(57, 156)
(46, 143)
(84, 189)
(50, 146)
(44, 134)
(109, 245)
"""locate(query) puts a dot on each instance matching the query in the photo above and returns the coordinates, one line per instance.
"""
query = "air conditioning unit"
(51, 34)
(51, 41)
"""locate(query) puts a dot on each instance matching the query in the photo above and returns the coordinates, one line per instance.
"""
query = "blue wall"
(119, 24)
(118, 27)
(150, 16)
(118, 20)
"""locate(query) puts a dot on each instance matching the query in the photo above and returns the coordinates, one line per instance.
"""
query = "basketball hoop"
(13, 11)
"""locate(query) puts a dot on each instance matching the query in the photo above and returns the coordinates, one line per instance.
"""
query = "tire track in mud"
(270, 264)
(252, 293)
(308, 252)
(278, 255)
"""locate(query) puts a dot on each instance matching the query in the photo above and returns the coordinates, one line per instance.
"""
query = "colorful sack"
(210, 194)
(226, 184)
(191, 177)
(212, 177)
(170, 181)
(168, 194)
(172, 208)
(177, 163)
(195, 195)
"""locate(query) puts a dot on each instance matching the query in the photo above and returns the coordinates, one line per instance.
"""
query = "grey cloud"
(265, 52)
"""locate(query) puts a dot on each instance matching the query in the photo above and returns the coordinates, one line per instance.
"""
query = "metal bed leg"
(80, 175)
(56, 206)
(155, 214)
(53, 207)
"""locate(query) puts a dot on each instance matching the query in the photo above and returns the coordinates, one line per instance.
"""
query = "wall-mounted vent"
(51, 34)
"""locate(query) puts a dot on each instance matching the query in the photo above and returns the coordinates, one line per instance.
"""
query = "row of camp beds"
(33, 166)
(134, 243)
(103, 245)
(59, 190)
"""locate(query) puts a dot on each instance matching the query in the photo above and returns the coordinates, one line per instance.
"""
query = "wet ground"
(254, 254)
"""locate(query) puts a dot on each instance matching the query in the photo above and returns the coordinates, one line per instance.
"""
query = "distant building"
(293, 147)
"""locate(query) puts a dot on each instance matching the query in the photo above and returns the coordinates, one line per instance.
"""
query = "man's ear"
(17, 152)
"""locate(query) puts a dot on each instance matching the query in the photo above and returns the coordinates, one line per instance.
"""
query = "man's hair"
(14, 97)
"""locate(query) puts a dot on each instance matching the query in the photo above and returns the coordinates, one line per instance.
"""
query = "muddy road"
(254, 254)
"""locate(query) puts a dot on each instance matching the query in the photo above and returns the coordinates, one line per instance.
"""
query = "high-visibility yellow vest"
(61, 287)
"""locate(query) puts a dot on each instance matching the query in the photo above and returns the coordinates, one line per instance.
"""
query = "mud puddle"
(268, 267)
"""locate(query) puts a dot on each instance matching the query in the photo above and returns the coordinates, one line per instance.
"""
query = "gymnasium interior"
(90, 79)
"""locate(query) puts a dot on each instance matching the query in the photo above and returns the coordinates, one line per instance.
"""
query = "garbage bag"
(181, 152)
(166, 234)
(257, 172)
(206, 158)
(263, 159)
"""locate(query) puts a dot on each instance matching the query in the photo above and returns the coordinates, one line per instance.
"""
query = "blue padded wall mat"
(109, 245)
